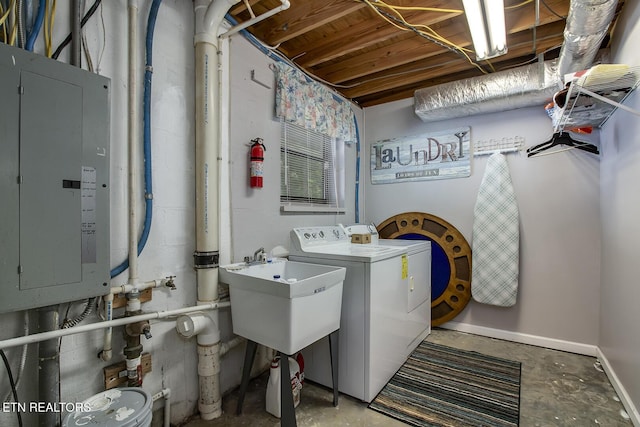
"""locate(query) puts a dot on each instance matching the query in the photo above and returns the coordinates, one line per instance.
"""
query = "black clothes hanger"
(562, 138)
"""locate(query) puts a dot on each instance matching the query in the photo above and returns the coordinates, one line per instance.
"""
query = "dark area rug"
(444, 386)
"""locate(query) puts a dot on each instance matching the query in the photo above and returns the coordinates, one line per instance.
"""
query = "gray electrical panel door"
(50, 173)
(54, 176)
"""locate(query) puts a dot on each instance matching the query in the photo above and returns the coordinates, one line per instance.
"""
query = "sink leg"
(287, 410)
(249, 355)
(333, 349)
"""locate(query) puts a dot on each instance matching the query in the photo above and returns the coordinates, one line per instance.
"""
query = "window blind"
(309, 168)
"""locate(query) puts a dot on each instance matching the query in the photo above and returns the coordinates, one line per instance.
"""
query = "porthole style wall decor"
(451, 260)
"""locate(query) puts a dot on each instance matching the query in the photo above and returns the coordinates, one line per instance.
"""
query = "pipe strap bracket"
(206, 259)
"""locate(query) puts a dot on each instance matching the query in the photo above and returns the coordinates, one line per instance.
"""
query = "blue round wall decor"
(450, 260)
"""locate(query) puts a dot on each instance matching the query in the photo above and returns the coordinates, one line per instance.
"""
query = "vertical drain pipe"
(48, 366)
(133, 133)
(133, 348)
(209, 16)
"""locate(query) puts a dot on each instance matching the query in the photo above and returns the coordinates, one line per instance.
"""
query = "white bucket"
(118, 407)
(273, 387)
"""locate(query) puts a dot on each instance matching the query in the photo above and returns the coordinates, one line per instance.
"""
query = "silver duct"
(587, 25)
(506, 90)
(526, 86)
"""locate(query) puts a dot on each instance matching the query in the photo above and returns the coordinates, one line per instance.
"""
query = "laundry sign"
(438, 155)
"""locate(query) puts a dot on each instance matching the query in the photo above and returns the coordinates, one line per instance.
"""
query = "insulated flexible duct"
(527, 86)
(587, 25)
(506, 90)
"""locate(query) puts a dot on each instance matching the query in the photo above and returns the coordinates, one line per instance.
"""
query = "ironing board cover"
(496, 237)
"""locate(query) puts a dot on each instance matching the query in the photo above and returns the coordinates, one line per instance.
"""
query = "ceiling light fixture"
(486, 23)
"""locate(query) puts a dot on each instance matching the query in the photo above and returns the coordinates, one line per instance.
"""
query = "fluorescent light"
(486, 24)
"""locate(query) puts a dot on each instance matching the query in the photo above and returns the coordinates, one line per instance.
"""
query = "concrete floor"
(557, 389)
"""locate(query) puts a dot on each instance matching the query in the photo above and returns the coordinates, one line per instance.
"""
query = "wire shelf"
(593, 97)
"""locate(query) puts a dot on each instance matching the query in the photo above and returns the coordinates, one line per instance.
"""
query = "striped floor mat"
(443, 386)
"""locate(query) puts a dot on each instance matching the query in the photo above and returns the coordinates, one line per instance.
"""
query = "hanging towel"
(496, 237)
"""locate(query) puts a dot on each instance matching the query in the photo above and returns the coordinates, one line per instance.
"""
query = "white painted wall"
(171, 242)
(620, 209)
(250, 220)
(256, 217)
(558, 198)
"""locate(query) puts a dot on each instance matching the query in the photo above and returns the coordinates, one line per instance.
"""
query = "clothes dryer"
(377, 329)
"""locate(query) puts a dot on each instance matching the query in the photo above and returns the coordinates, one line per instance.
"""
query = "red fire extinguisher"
(257, 159)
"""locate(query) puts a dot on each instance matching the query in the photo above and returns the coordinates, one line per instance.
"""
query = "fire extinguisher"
(257, 159)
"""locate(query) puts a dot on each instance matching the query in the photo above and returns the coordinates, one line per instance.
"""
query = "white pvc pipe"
(166, 393)
(284, 6)
(196, 324)
(126, 288)
(133, 137)
(107, 349)
(209, 16)
(43, 336)
(232, 343)
(133, 303)
(132, 177)
(167, 407)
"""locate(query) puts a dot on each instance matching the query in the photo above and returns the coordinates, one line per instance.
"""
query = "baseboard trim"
(552, 343)
(555, 344)
(631, 409)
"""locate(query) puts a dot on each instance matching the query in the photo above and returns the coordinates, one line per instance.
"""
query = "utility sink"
(286, 313)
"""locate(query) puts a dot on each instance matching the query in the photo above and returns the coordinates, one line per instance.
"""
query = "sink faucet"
(258, 256)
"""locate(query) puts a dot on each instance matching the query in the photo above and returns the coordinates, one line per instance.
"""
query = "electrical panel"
(54, 181)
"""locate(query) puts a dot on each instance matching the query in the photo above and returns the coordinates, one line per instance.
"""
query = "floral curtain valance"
(312, 105)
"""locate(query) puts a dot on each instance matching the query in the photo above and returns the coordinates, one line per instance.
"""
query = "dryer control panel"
(308, 237)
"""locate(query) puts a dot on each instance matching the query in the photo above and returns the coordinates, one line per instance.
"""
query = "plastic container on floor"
(117, 407)
(273, 387)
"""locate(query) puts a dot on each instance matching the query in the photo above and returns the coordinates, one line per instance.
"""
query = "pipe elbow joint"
(201, 325)
(106, 355)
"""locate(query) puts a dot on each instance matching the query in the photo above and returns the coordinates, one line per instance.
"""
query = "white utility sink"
(286, 313)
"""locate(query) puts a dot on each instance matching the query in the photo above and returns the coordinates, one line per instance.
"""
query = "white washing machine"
(381, 320)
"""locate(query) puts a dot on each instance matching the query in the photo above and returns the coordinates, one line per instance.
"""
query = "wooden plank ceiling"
(374, 52)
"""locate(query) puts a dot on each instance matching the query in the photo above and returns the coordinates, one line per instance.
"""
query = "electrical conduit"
(148, 77)
(148, 183)
(33, 35)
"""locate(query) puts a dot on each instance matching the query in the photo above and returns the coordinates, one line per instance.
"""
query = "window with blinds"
(312, 170)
